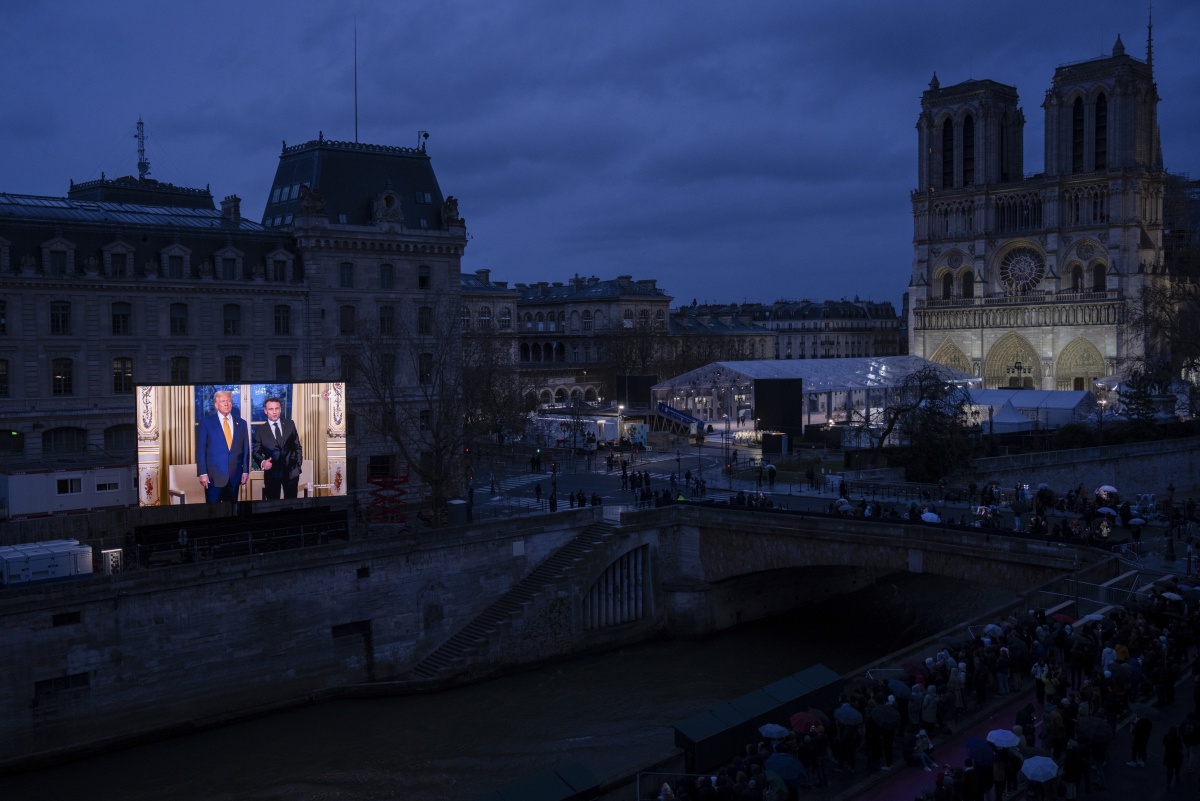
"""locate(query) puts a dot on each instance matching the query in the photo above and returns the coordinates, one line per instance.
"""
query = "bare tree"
(409, 373)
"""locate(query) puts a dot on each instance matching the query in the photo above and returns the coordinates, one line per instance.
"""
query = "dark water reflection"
(611, 712)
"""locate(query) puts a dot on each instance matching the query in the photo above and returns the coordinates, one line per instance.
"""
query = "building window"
(175, 266)
(505, 318)
(12, 443)
(69, 486)
(1099, 281)
(58, 262)
(62, 441)
(1077, 135)
(424, 280)
(425, 368)
(644, 318)
(62, 377)
(425, 416)
(232, 317)
(60, 317)
(3, 317)
(485, 318)
(283, 320)
(349, 368)
(346, 320)
(660, 319)
(587, 320)
(3, 380)
(387, 369)
(122, 376)
(278, 270)
(228, 269)
(425, 320)
(179, 319)
(968, 150)
(387, 275)
(947, 286)
(233, 369)
(387, 319)
(121, 314)
(179, 370)
(466, 317)
(120, 439)
(346, 275)
(119, 262)
(1101, 133)
(424, 198)
(283, 368)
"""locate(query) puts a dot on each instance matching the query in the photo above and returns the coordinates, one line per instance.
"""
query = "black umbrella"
(886, 716)
(1094, 729)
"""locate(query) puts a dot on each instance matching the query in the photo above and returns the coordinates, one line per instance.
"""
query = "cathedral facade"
(1030, 281)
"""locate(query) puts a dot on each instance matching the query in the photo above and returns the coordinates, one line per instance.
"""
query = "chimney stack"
(231, 209)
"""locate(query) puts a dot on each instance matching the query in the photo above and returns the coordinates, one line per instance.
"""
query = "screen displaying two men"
(211, 443)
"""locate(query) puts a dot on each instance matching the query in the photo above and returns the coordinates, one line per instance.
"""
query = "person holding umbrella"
(1141, 739)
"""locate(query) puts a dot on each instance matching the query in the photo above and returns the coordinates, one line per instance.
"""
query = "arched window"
(525, 352)
(947, 286)
(466, 317)
(587, 320)
(947, 154)
(560, 395)
(536, 351)
(967, 283)
(644, 318)
(546, 397)
(968, 134)
(120, 438)
(1101, 128)
(65, 440)
(1099, 281)
(660, 319)
(485, 317)
(505, 318)
(1077, 135)
(1077, 278)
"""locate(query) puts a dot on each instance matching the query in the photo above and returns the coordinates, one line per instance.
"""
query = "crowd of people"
(1086, 676)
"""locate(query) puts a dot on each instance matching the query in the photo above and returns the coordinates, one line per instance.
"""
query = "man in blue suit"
(223, 451)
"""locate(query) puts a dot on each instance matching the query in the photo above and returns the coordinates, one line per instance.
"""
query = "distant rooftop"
(34, 207)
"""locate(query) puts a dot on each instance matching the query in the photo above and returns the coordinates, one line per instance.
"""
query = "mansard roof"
(350, 177)
(584, 289)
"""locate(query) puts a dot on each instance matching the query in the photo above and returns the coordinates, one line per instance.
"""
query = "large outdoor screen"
(208, 443)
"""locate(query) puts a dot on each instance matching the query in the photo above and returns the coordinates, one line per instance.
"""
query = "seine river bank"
(611, 712)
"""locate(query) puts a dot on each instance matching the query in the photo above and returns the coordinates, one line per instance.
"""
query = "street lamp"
(728, 464)
(1100, 419)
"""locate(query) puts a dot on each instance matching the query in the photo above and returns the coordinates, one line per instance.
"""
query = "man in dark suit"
(222, 451)
(278, 450)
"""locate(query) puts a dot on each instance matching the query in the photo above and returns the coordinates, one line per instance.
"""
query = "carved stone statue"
(312, 202)
(450, 210)
(387, 209)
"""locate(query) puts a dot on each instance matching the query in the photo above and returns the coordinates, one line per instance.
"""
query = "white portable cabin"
(43, 561)
(36, 493)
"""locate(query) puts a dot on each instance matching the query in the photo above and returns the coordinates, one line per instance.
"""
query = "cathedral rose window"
(1022, 270)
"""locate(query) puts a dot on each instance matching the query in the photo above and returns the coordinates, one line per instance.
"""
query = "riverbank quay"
(1085, 595)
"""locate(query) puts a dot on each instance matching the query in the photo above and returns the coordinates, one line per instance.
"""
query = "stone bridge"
(113, 658)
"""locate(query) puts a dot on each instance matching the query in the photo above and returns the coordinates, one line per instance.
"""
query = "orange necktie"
(228, 434)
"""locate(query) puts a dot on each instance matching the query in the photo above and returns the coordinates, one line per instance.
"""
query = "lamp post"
(728, 464)
(1100, 419)
(1019, 371)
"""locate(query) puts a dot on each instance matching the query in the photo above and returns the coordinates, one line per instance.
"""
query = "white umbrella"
(992, 630)
(1107, 510)
(1106, 488)
(1003, 738)
(1040, 769)
(1092, 616)
(773, 730)
(1172, 596)
(1137, 521)
(930, 517)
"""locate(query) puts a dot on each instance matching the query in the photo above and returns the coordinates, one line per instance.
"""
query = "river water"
(610, 711)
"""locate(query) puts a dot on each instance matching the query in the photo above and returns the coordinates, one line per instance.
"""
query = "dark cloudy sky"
(733, 150)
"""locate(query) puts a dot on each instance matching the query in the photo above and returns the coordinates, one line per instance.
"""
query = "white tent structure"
(1008, 420)
(1041, 408)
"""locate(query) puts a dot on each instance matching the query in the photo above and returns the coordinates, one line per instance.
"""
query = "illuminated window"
(122, 376)
(62, 373)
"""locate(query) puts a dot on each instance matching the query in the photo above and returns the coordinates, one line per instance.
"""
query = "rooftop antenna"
(356, 79)
(143, 165)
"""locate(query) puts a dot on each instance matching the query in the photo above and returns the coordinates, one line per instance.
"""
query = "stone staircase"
(476, 639)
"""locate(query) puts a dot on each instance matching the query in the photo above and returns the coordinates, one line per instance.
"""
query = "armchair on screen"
(183, 485)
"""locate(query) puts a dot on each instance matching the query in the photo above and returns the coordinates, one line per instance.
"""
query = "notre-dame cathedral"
(1029, 281)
